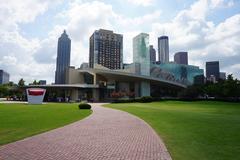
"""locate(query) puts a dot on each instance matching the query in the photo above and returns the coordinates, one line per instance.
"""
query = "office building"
(152, 54)
(63, 58)
(223, 75)
(4, 77)
(141, 56)
(163, 49)
(84, 65)
(181, 73)
(106, 49)
(42, 82)
(181, 58)
(212, 69)
(199, 80)
(141, 52)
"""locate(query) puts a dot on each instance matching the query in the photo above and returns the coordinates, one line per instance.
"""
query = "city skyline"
(28, 48)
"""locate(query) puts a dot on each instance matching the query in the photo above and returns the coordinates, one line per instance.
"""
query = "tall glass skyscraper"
(163, 49)
(4, 77)
(141, 53)
(106, 49)
(141, 56)
(63, 58)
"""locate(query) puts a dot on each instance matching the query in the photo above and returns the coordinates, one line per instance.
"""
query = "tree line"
(228, 89)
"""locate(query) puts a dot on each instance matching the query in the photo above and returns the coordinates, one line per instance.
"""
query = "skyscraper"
(141, 52)
(63, 58)
(141, 56)
(152, 54)
(181, 58)
(212, 69)
(4, 77)
(222, 75)
(106, 49)
(163, 49)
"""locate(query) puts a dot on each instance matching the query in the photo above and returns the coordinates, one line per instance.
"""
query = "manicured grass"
(193, 130)
(18, 121)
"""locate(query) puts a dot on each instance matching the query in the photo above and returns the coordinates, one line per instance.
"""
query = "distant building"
(181, 58)
(212, 79)
(42, 82)
(182, 73)
(199, 79)
(141, 52)
(141, 56)
(212, 69)
(106, 49)
(84, 66)
(163, 49)
(152, 54)
(223, 75)
(4, 77)
(63, 58)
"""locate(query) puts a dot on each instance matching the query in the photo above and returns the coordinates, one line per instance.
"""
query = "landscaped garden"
(18, 121)
(199, 130)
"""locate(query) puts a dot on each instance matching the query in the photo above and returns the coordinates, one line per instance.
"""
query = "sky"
(208, 30)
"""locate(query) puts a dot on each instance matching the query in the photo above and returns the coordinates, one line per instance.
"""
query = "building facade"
(4, 77)
(180, 73)
(223, 75)
(181, 58)
(212, 69)
(141, 56)
(152, 54)
(42, 82)
(106, 49)
(163, 49)
(63, 58)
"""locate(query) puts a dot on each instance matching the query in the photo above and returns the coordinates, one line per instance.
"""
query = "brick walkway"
(106, 134)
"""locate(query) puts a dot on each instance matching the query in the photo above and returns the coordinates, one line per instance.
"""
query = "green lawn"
(18, 121)
(193, 130)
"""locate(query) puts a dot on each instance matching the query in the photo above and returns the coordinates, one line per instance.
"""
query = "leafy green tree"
(21, 83)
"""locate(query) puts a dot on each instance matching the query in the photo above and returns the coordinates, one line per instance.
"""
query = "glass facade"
(4, 77)
(141, 53)
(63, 58)
(212, 69)
(177, 72)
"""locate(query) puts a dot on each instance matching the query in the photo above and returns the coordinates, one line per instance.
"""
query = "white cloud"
(141, 2)
(16, 50)
(221, 3)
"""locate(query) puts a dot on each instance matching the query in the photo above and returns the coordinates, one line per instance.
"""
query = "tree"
(35, 82)
(21, 83)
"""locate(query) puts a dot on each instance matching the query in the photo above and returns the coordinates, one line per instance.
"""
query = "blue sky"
(207, 29)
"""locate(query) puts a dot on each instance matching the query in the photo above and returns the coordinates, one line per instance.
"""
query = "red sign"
(35, 92)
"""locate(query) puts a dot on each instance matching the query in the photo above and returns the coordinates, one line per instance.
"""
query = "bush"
(84, 106)
(145, 99)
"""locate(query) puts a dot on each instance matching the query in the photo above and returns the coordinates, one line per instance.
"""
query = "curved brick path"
(106, 134)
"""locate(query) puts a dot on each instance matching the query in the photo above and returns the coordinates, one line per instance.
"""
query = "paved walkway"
(106, 134)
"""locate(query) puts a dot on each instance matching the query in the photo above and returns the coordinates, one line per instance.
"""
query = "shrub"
(145, 99)
(84, 106)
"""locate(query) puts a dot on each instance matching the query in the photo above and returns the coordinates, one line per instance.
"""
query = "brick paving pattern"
(106, 134)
